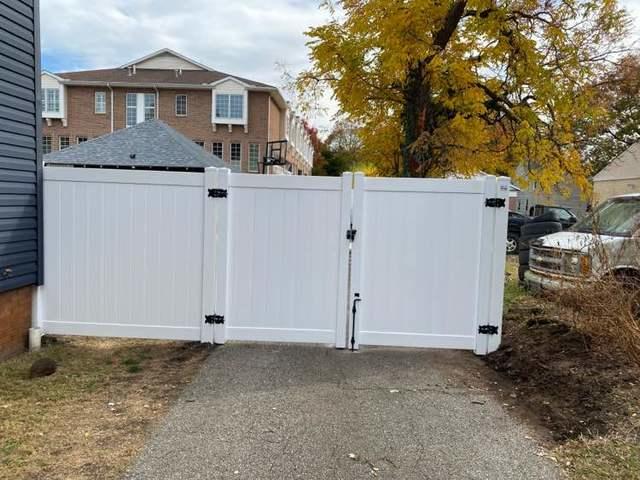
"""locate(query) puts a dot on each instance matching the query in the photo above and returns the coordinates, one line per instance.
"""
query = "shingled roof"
(151, 76)
(151, 144)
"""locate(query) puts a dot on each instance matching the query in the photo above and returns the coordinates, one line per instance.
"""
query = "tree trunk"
(414, 115)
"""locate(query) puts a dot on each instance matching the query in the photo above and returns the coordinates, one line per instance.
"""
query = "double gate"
(219, 256)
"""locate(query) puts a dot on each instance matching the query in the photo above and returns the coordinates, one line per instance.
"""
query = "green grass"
(602, 458)
(512, 289)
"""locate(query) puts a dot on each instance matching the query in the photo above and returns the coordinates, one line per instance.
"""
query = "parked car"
(603, 243)
(564, 215)
(516, 220)
(535, 228)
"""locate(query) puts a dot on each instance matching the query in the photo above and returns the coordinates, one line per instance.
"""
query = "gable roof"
(151, 144)
(203, 76)
(624, 166)
(155, 77)
(163, 51)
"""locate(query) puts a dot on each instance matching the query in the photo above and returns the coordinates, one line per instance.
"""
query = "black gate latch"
(351, 234)
(488, 329)
(494, 202)
(211, 319)
(217, 193)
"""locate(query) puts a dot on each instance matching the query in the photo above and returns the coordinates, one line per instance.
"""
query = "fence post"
(492, 263)
(222, 239)
(499, 260)
(208, 255)
(343, 259)
(357, 219)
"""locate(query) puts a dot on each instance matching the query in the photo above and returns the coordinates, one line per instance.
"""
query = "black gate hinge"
(495, 202)
(351, 234)
(217, 193)
(488, 329)
(214, 319)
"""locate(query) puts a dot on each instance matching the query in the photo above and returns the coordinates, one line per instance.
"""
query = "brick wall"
(83, 121)
(15, 320)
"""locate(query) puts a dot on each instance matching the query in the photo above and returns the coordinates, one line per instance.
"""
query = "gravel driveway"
(283, 412)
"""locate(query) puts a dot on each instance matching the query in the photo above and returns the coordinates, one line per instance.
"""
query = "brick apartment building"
(237, 119)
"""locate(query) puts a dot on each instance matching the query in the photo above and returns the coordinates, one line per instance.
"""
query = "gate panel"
(289, 258)
(417, 261)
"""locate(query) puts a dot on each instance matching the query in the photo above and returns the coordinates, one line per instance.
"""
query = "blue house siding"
(20, 148)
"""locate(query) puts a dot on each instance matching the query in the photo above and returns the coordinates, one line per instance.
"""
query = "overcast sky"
(248, 38)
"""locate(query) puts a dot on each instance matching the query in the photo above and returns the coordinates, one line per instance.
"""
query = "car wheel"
(512, 244)
(521, 270)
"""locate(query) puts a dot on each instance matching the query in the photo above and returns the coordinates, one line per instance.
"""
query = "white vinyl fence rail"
(216, 256)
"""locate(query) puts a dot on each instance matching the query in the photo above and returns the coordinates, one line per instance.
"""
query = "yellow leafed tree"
(457, 86)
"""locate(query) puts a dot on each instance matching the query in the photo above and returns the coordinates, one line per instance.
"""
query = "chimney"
(180, 72)
(129, 70)
(134, 69)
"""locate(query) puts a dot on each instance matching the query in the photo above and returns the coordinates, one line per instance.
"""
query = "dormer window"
(51, 100)
(229, 106)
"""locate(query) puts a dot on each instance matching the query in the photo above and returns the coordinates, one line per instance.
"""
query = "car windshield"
(617, 217)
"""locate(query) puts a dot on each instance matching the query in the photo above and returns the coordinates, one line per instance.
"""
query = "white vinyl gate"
(216, 256)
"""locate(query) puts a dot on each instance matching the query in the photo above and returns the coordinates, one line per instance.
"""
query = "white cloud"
(247, 38)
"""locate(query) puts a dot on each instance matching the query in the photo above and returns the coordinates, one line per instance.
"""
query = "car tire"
(524, 243)
(521, 270)
(533, 229)
(512, 244)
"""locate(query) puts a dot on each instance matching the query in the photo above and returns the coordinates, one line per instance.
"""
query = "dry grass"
(596, 459)
(607, 310)
(572, 359)
(89, 419)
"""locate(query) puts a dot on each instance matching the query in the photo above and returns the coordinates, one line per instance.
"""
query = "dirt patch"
(90, 418)
(571, 382)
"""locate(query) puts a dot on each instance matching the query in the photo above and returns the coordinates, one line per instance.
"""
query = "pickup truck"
(605, 243)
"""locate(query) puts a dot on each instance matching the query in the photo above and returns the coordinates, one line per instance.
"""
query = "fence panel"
(124, 253)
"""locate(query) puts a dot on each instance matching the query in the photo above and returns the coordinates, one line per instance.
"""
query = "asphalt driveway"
(286, 412)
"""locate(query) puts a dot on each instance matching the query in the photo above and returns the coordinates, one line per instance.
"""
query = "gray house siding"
(566, 195)
(20, 148)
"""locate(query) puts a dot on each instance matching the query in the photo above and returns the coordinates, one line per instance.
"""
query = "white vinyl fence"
(216, 256)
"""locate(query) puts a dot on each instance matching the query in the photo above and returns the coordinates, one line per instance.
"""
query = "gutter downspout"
(111, 92)
(155, 87)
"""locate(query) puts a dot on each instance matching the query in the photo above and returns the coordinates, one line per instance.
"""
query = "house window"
(46, 145)
(181, 105)
(64, 143)
(199, 143)
(82, 139)
(216, 149)
(132, 109)
(140, 107)
(229, 106)
(235, 106)
(149, 106)
(101, 102)
(51, 100)
(254, 157)
(235, 155)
